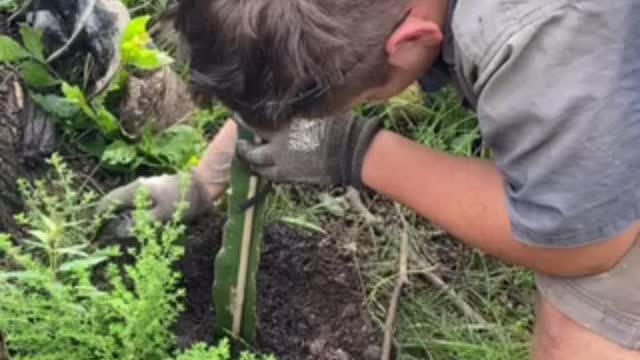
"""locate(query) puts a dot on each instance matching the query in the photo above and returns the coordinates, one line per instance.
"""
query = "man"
(556, 86)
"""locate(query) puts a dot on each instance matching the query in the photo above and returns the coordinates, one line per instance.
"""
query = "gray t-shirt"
(556, 86)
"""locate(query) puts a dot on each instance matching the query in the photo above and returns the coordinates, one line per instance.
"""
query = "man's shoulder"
(481, 28)
(491, 35)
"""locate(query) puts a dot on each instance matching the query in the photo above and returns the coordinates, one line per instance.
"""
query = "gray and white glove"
(326, 151)
(208, 182)
(166, 193)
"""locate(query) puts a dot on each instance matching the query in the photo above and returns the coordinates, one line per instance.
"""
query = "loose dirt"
(309, 298)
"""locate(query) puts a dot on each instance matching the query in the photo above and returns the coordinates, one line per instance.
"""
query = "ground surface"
(310, 302)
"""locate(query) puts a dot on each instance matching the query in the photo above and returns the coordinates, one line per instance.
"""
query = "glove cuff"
(362, 134)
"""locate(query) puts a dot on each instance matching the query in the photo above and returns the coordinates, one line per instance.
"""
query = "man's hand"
(328, 151)
(165, 192)
(209, 180)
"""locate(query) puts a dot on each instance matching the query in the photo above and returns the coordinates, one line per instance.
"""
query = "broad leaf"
(11, 51)
(136, 31)
(136, 49)
(32, 40)
(107, 123)
(36, 75)
(56, 105)
(119, 153)
(177, 145)
(147, 59)
(75, 95)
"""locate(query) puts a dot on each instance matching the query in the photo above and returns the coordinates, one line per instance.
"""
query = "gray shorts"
(608, 304)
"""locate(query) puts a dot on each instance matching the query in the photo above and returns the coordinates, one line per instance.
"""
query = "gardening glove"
(165, 192)
(327, 151)
(208, 181)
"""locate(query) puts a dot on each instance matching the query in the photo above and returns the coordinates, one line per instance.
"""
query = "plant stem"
(247, 236)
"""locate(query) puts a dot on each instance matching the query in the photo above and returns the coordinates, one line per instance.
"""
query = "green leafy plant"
(222, 351)
(136, 47)
(60, 223)
(8, 5)
(29, 59)
(237, 263)
(55, 305)
(49, 304)
(89, 122)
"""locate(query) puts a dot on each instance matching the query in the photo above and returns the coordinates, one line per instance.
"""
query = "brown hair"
(272, 60)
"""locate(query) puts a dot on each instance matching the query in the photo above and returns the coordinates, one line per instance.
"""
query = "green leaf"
(8, 5)
(35, 244)
(119, 153)
(83, 264)
(22, 275)
(11, 51)
(75, 250)
(50, 224)
(5, 242)
(136, 31)
(56, 105)
(148, 59)
(36, 75)
(135, 47)
(74, 95)
(303, 223)
(94, 144)
(32, 40)
(176, 146)
(107, 123)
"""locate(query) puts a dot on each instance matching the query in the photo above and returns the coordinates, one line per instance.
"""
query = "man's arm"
(214, 168)
(466, 197)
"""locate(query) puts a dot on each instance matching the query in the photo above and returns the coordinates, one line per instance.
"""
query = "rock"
(339, 354)
(372, 352)
(39, 136)
(11, 167)
(317, 347)
(349, 312)
(161, 98)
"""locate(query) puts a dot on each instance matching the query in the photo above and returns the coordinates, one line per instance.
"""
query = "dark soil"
(309, 298)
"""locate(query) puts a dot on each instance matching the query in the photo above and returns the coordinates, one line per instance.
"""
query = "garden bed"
(310, 301)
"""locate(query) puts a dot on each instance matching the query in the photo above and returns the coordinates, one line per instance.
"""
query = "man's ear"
(414, 29)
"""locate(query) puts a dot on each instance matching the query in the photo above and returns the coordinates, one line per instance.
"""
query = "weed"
(49, 305)
(8, 5)
(54, 305)
(431, 325)
(439, 120)
(221, 352)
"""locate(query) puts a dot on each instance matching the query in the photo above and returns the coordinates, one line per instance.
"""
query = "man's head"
(274, 60)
